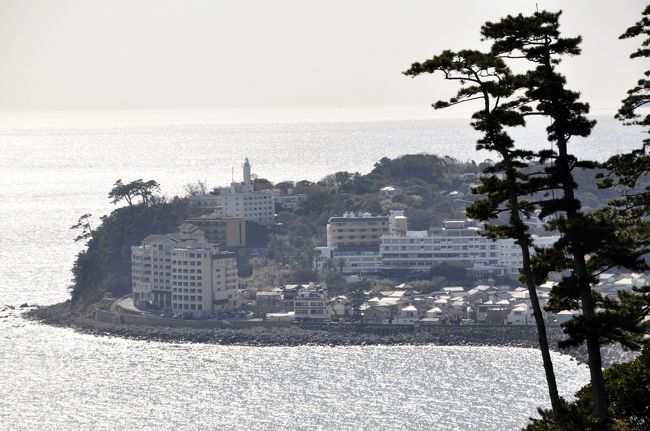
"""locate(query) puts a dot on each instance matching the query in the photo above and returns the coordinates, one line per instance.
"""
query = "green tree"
(83, 225)
(628, 386)
(589, 243)
(200, 187)
(485, 78)
(627, 169)
(146, 190)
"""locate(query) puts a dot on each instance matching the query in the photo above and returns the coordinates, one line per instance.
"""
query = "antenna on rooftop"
(232, 174)
(536, 8)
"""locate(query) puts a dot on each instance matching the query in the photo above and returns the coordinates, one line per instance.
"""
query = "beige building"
(222, 232)
(356, 230)
(184, 274)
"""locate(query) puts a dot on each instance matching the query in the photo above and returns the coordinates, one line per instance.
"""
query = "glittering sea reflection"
(71, 381)
(55, 379)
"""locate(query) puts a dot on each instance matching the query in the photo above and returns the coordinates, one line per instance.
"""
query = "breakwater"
(280, 333)
(243, 333)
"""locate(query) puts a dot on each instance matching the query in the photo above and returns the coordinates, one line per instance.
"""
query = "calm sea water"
(55, 167)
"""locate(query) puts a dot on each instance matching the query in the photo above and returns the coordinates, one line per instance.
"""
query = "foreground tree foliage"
(628, 386)
(629, 168)
(485, 78)
(590, 242)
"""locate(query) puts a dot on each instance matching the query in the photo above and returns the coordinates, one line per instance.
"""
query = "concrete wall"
(468, 332)
(114, 318)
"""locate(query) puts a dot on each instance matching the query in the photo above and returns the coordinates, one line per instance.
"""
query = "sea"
(56, 166)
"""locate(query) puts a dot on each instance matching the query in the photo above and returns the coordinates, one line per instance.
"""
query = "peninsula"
(335, 262)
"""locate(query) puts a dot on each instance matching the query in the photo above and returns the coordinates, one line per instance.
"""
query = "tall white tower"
(247, 171)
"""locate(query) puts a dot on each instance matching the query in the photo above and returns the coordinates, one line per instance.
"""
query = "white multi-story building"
(310, 303)
(457, 242)
(184, 274)
(240, 200)
(353, 242)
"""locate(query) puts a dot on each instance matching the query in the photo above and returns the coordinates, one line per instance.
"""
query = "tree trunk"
(543, 340)
(598, 393)
(524, 243)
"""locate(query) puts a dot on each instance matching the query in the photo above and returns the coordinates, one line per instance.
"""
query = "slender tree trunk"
(524, 243)
(556, 404)
(598, 393)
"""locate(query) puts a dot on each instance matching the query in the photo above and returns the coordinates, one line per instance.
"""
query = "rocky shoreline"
(62, 315)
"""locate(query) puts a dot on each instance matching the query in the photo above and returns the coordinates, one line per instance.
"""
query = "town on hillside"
(193, 273)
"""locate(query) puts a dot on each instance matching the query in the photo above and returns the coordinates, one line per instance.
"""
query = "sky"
(202, 54)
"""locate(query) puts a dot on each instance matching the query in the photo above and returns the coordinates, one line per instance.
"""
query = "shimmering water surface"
(54, 168)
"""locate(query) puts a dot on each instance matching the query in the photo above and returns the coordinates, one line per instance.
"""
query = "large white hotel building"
(456, 242)
(184, 274)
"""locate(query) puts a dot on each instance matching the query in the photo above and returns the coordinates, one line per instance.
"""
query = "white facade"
(290, 201)
(360, 236)
(348, 262)
(184, 274)
(456, 242)
(310, 304)
(240, 200)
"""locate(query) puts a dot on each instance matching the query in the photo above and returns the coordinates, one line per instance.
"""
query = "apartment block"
(185, 274)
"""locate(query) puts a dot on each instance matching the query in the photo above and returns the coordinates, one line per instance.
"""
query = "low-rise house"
(388, 191)
(458, 309)
(376, 315)
(518, 315)
(310, 304)
(407, 315)
(455, 292)
(492, 312)
(289, 200)
(269, 302)
(481, 293)
(435, 312)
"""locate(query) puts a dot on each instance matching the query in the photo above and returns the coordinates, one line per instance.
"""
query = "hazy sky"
(125, 54)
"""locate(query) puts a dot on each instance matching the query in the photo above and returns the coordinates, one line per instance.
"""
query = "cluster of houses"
(404, 305)
(401, 306)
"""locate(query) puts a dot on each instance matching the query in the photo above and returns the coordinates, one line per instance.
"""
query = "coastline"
(61, 315)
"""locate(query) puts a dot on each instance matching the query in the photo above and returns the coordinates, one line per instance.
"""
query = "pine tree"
(485, 78)
(626, 169)
(589, 243)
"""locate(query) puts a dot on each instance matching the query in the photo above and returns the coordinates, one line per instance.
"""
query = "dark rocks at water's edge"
(82, 321)
(61, 315)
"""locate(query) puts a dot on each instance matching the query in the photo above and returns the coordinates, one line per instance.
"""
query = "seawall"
(257, 333)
